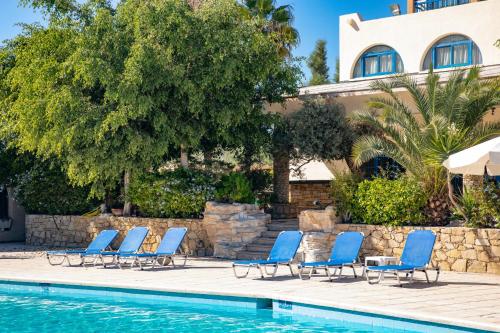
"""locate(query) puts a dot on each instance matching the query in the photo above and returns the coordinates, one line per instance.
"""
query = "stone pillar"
(230, 227)
(318, 227)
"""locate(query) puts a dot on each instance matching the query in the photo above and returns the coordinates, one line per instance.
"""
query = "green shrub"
(235, 187)
(174, 194)
(261, 182)
(344, 187)
(45, 189)
(481, 207)
(390, 202)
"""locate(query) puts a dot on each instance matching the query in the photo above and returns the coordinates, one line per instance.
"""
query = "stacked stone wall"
(457, 248)
(78, 231)
(304, 194)
(231, 227)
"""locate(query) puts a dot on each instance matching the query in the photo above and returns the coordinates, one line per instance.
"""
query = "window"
(381, 166)
(453, 51)
(424, 5)
(379, 60)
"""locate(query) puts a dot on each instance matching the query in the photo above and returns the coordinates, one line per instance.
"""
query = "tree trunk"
(127, 205)
(281, 168)
(452, 198)
(184, 157)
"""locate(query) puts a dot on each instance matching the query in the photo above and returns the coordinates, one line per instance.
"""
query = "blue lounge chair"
(344, 253)
(167, 249)
(102, 242)
(416, 256)
(130, 245)
(284, 249)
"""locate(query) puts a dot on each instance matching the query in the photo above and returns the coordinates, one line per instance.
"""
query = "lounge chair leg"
(340, 272)
(240, 276)
(379, 278)
(291, 270)
(261, 272)
(311, 272)
(438, 270)
(354, 271)
(426, 275)
(397, 277)
(301, 271)
(413, 272)
(273, 274)
(172, 261)
(102, 261)
(185, 260)
(327, 270)
(54, 263)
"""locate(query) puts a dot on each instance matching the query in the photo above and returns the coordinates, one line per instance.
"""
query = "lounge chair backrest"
(171, 241)
(286, 246)
(347, 246)
(418, 248)
(101, 241)
(134, 239)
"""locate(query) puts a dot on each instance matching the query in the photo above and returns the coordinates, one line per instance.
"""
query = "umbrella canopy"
(474, 160)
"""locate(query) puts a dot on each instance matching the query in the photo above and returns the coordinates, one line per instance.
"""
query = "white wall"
(412, 35)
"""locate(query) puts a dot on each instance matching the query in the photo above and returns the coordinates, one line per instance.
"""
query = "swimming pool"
(35, 307)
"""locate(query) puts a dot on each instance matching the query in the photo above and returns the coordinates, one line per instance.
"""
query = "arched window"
(378, 60)
(452, 51)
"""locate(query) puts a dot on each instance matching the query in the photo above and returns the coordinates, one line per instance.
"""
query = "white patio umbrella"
(474, 160)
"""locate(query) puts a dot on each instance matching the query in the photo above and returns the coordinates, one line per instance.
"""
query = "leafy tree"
(115, 92)
(448, 118)
(336, 78)
(320, 131)
(276, 22)
(317, 62)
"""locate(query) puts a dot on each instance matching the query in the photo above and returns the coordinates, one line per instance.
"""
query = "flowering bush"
(173, 194)
(45, 189)
(235, 187)
(481, 207)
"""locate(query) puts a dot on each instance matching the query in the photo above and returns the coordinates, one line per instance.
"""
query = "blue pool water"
(49, 308)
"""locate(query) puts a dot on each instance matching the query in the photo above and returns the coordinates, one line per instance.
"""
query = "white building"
(456, 34)
(445, 34)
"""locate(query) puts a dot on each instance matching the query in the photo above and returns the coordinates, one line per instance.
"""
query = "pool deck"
(463, 299)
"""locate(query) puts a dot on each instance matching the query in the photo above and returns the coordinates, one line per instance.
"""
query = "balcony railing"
(424, 5)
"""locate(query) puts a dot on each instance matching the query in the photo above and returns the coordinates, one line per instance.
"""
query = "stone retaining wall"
(304, 193)
(230, 227)
(78, 231)
(457, 249)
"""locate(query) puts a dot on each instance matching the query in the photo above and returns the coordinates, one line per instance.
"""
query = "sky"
(314, 19)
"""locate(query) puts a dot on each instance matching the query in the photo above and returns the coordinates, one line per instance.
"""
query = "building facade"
(443, 34)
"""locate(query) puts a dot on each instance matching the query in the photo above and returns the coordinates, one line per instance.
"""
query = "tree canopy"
(320, 131)
(114, 90)
(317, 62)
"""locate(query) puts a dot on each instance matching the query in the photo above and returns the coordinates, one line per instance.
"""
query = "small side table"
(380, 261)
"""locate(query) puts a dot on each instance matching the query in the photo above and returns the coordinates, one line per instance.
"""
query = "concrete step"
(259, 248)
(282, 227)
(270, 234)
(285, 221)
(265, 241)
(251, 255)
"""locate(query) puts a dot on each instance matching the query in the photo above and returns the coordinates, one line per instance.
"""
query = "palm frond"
(369, 147)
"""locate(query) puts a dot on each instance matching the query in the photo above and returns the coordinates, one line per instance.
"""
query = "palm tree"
(276, 21)
(446, 118)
